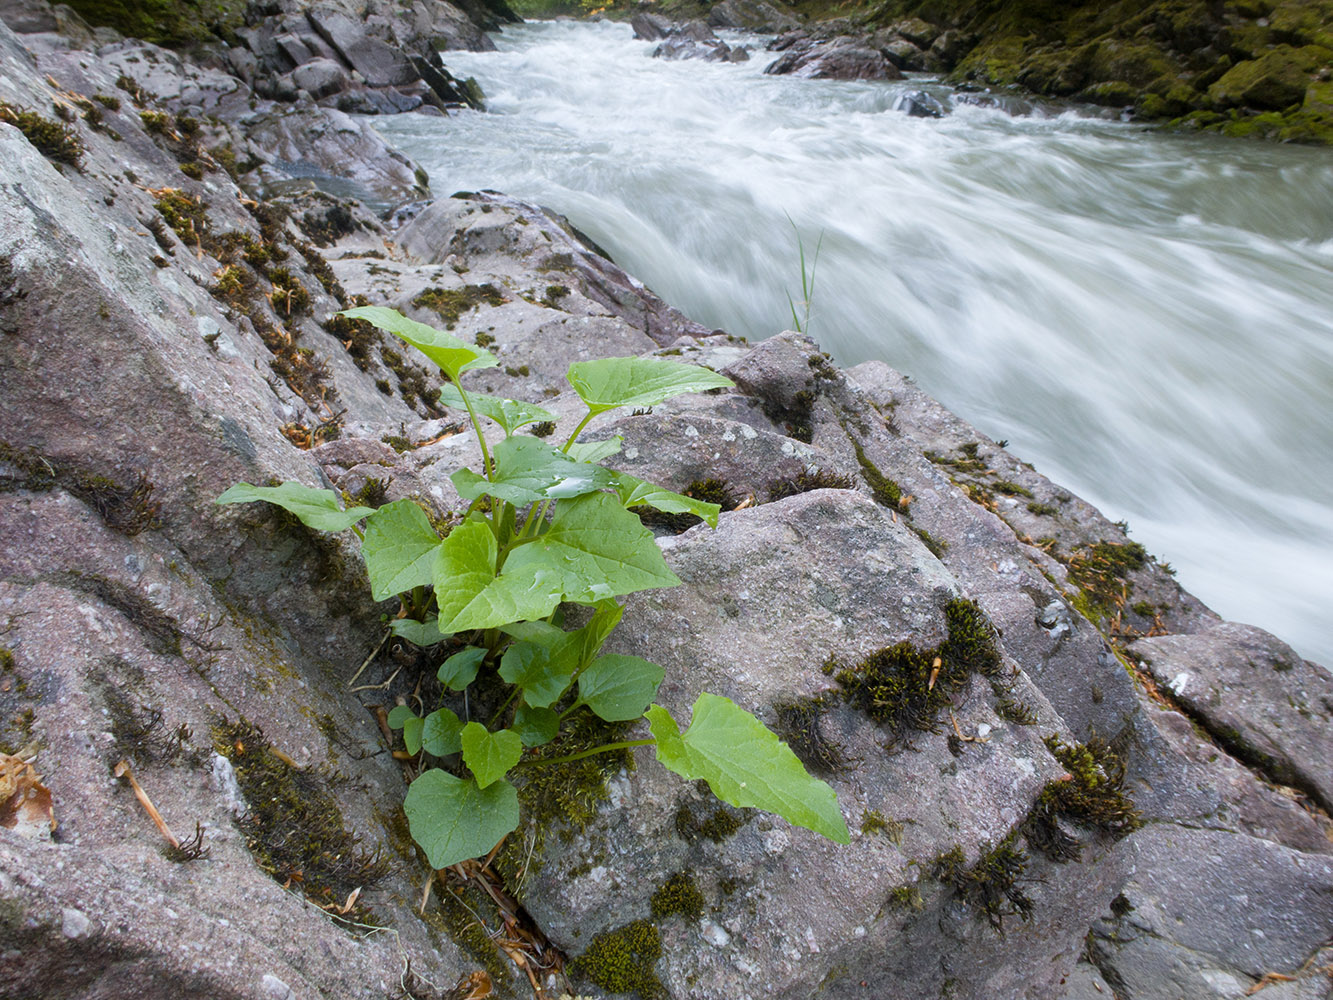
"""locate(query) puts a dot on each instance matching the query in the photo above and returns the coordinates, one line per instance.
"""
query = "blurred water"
(1148, 319)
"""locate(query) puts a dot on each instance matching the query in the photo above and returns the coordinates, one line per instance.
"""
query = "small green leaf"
(535, 726)
(745, 764)
(542, 633)
(542, 672)
(412, 734)
(398, 715)
(460, 670)
(489, 756)
(510, 414)
(528, 469)
(611, 382)
(453, 820)
(451, 354)
(399, 549)
(619, 688)
(440, 733)
(594, 549)
(318, 509)
(636, 493)
(425, 633)
(595, 451)
(470, 596)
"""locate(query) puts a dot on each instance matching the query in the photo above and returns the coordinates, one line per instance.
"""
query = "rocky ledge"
(1119, 795)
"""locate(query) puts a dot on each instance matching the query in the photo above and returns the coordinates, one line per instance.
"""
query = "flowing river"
(1146, 318)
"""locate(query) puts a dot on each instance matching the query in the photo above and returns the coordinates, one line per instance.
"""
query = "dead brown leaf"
(25, 803)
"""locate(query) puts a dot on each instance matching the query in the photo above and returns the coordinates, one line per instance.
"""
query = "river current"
(1147, 318)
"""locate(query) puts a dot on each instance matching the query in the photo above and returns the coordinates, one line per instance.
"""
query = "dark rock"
(751, 15)
(901, 52)
(788, 40)
(320, 78)
(920, 33)
(950, 46)
(381, 65)
(24, 16)
(651, 27)
(449, 91)
(842, 58)
(919, 104)
(1272, 82)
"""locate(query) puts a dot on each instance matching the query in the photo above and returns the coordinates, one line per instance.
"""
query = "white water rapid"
(1146, 318)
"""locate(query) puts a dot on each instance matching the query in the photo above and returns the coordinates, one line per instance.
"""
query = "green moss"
(715, 824)
(1010, 489)
(483, 339)
(1044, 509)
(359, 339)
(161, 632)
(290, 298)
(54, 140)
(886, 492)
(187, 215)
(294, 827)
(623, 960)
(124, 504)
(875, 822)
(1101, 572)
(991, 885)
(544, 429)
(812, 478)
(1020, 713)
(554, 293)
(905, 688)
(233, 284)
(108, 101)
(936, 546)
(522, 371)
(678, 894)
(450, 304)
(155, 122)
(174, 23)
(458, 909)
(1093, 794)
(906, 897)
(708, 490)
(797, 722)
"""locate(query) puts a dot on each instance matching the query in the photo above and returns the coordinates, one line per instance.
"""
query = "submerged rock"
(840, 58)
(919, 104)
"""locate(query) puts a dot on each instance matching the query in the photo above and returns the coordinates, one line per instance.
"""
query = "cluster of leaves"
(547, 527)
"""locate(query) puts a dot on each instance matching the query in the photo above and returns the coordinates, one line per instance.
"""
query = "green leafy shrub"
(547, 527)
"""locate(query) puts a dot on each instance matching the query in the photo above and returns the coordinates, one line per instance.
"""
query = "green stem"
(499, 711)
(476, 428)
(606, 748)
(577, 431)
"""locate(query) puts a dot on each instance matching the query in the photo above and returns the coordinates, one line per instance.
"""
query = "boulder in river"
(752, 15)
(841, 58)
(919, 104)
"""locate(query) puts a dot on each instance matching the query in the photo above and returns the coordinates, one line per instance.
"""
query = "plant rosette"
(546, 526)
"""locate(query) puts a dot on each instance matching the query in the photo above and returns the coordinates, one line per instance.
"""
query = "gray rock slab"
(381, 64)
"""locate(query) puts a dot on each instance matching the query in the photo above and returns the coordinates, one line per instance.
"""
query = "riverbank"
(1120, 782)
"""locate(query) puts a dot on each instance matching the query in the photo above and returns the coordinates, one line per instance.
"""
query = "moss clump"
(450, 304)
(708, 490)
(905, 688)
(161, 632)
(187, 215)
(294, 827)
(1020, 713)
(813, 478)
(1092, 794)
(554, 293)
(124, 504)
(906, 897)
(233, 284)
(886, 492)
(797, 723)
(678, 894)
(289, 296)
(991, 885)
(716, 825)
(54, 140)
(1043, 509)
(1101, 572)
(622, 961)
(544, 429)
(875, 822)
(358, 339)
(193, 170)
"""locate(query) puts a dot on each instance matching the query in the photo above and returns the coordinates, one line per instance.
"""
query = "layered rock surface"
(162, 337)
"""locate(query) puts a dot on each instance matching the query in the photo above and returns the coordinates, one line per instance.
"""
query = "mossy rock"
(1133, 62)
(1275, 81)
(1302, 22)
(1114, 94)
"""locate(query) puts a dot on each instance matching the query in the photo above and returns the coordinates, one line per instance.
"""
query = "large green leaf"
(441, 733)
(595, 451)
(488, 755)
(637, 493)
(535, 726)
(745, 764)
(318, 509)
(399, 549)
(469, 594)
(453, 820)
(543, 672)
(527, 470)
(618, 688)
(595, 549)
(510, 414)
(611, 382)
(454, 356)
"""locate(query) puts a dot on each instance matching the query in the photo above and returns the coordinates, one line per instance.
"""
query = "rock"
(920, 33)
(24, 16)
(379, 63)
(449, 91)
(751, 15)
(1268, 911)
(841, 58)
(1274, 81)
(1257, 697)
(900, 52)
(692, 40)
(651, 27)
(320, 77)
(919, 104)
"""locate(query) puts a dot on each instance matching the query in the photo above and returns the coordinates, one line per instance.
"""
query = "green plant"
(801, 321)
(547, 527)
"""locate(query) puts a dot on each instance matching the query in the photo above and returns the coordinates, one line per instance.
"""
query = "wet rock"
(380, 64)
(1273, 82)
(841, 58)
(1268, 706)
(919, 104)
(751, 15)
(320, 78)
(651, 27)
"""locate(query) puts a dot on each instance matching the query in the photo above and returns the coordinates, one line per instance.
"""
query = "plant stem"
(606, 748)
(505, 704)
(577, 431)
(476, 428)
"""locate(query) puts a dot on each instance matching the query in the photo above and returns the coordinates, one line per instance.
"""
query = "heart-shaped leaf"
(637, 493)
(398, 716)
(611, 382)
(619, 688)
(454, 356)
(318, 509)
(535, 726)
(425, 633)
(489, 756)
(510, 414)
(441, 733)
(745, 764)
(470, 596)
(542, 672)
(453, 819)
(399, 549)
(460, 670)
(527, 470)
